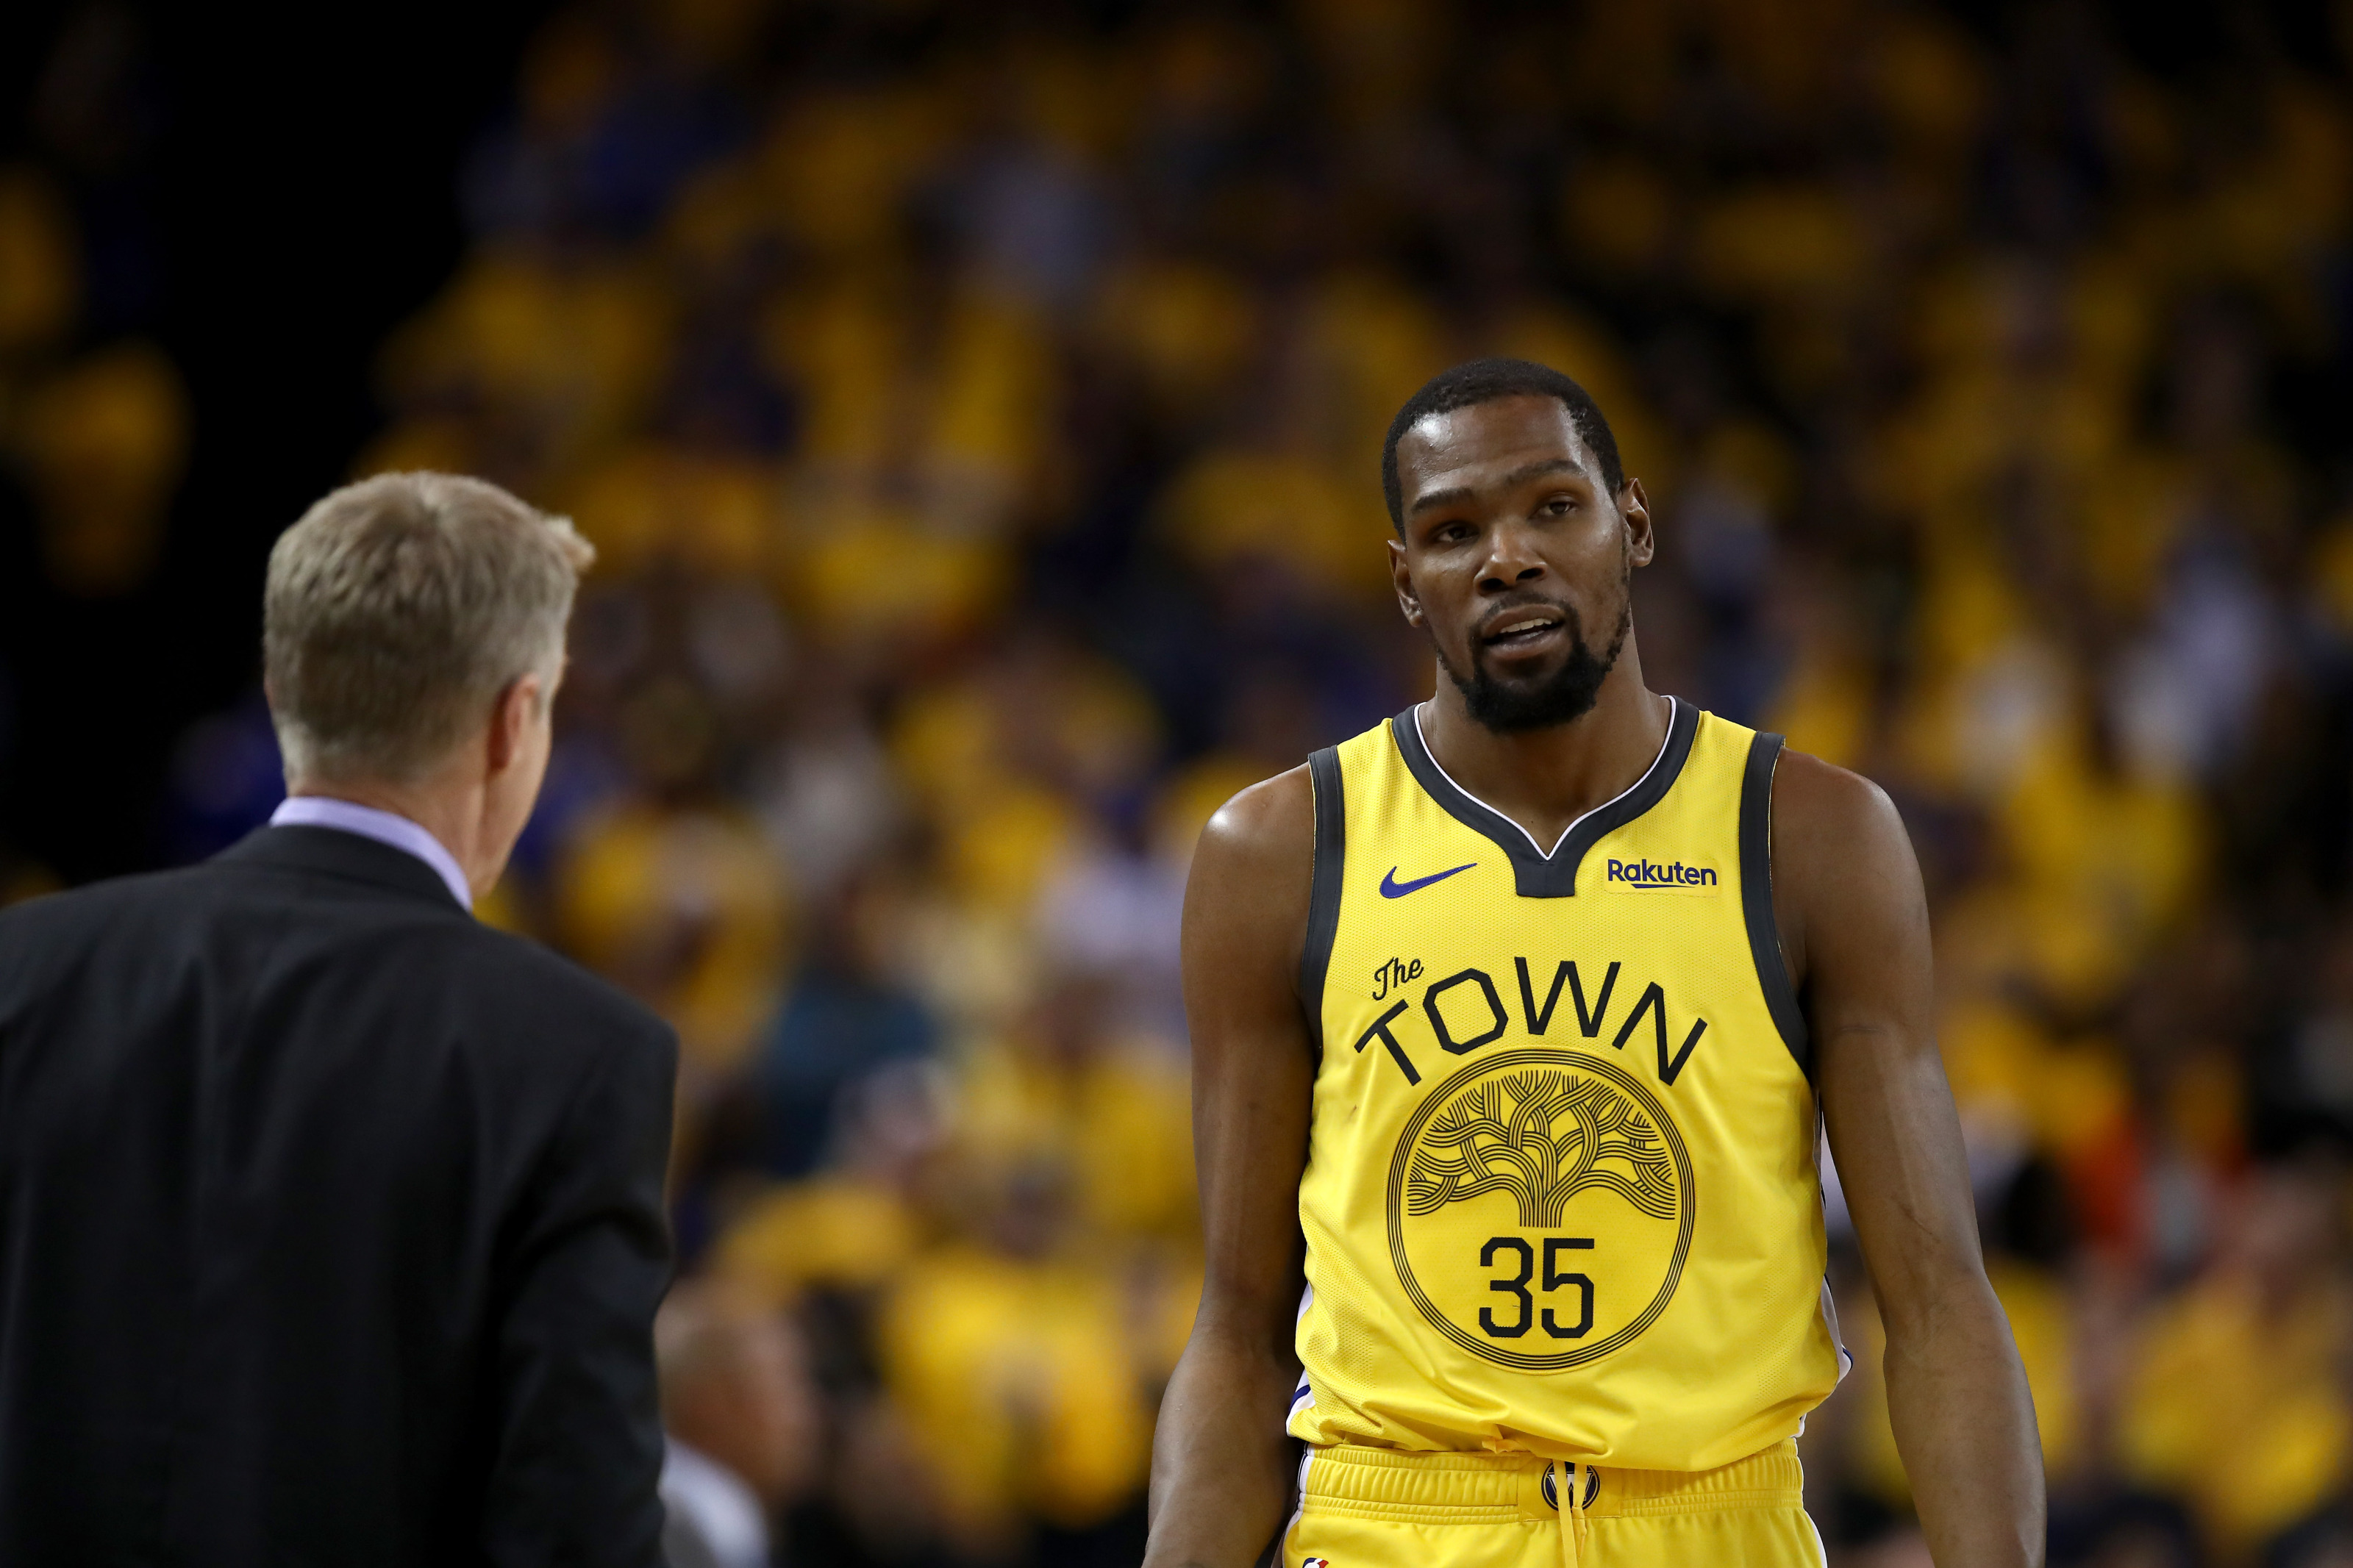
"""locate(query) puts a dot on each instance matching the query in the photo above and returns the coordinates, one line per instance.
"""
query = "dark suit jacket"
(331, 1226)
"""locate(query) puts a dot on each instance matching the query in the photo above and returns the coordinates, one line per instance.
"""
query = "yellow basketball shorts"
(1377, 1508)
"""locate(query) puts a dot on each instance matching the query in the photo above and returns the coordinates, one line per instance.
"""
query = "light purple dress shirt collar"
(384, 826)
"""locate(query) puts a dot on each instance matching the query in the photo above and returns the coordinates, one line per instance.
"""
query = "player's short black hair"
(1483, 380)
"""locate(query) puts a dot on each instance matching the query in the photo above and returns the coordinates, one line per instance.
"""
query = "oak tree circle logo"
(1550, 1187)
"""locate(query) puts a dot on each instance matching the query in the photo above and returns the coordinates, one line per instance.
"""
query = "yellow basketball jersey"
(1561, 1193)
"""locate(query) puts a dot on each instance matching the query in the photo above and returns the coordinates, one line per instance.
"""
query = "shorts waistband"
(1487, 1489)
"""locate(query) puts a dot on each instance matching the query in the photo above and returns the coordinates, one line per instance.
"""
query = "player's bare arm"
(1221, 1460)
(1853, 922)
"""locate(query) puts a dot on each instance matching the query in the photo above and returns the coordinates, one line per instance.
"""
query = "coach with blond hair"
(330, 1220)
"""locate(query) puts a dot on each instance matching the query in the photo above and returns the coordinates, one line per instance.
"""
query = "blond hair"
(398, 608)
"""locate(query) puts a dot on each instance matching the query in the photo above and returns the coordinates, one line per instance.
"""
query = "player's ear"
(1634, 506)
(1409, 602)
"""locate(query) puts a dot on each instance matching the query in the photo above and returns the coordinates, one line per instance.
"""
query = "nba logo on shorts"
(1316, 1562)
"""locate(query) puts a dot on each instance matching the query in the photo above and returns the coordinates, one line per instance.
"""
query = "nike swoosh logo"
(1393, 889)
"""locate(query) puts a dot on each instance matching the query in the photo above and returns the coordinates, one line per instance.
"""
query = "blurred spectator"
(104, 442)
(853, 1226)
(2270, 1320)
(685, 908)
(741, 1422)
(846, 1019)
(1010, 1353)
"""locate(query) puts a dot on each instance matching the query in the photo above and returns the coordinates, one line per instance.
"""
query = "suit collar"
(385, 828)
(331, 852)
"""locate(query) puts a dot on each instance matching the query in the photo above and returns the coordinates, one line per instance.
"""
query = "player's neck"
(1545, 779)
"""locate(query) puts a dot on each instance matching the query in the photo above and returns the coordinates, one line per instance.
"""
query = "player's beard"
(1567, 693)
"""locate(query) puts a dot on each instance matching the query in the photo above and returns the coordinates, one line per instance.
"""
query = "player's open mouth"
(1524, 628)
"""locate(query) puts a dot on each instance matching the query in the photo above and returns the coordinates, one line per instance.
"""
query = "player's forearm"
(1964, 1422)
(1221, 1460)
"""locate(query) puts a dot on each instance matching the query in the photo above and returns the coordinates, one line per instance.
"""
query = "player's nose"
(1513, 558)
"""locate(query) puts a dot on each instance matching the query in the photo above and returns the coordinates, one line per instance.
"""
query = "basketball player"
(1512, 1019)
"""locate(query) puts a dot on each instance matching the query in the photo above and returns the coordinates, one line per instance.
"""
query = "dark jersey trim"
(1756, 900)
(1324, 898)
(1554, 875)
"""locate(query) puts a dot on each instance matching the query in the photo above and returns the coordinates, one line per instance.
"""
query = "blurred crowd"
(977, 411)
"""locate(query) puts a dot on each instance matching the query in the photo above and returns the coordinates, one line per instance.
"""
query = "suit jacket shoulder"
(356, 1207)
(314, 888)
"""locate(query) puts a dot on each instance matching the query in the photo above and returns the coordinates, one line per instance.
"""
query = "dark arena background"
(977, 409)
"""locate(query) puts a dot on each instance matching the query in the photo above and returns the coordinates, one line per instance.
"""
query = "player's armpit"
(1220, 1461)
(1854, 920)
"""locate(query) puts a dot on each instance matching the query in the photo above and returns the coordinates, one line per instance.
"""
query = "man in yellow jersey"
(1514, 1019)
